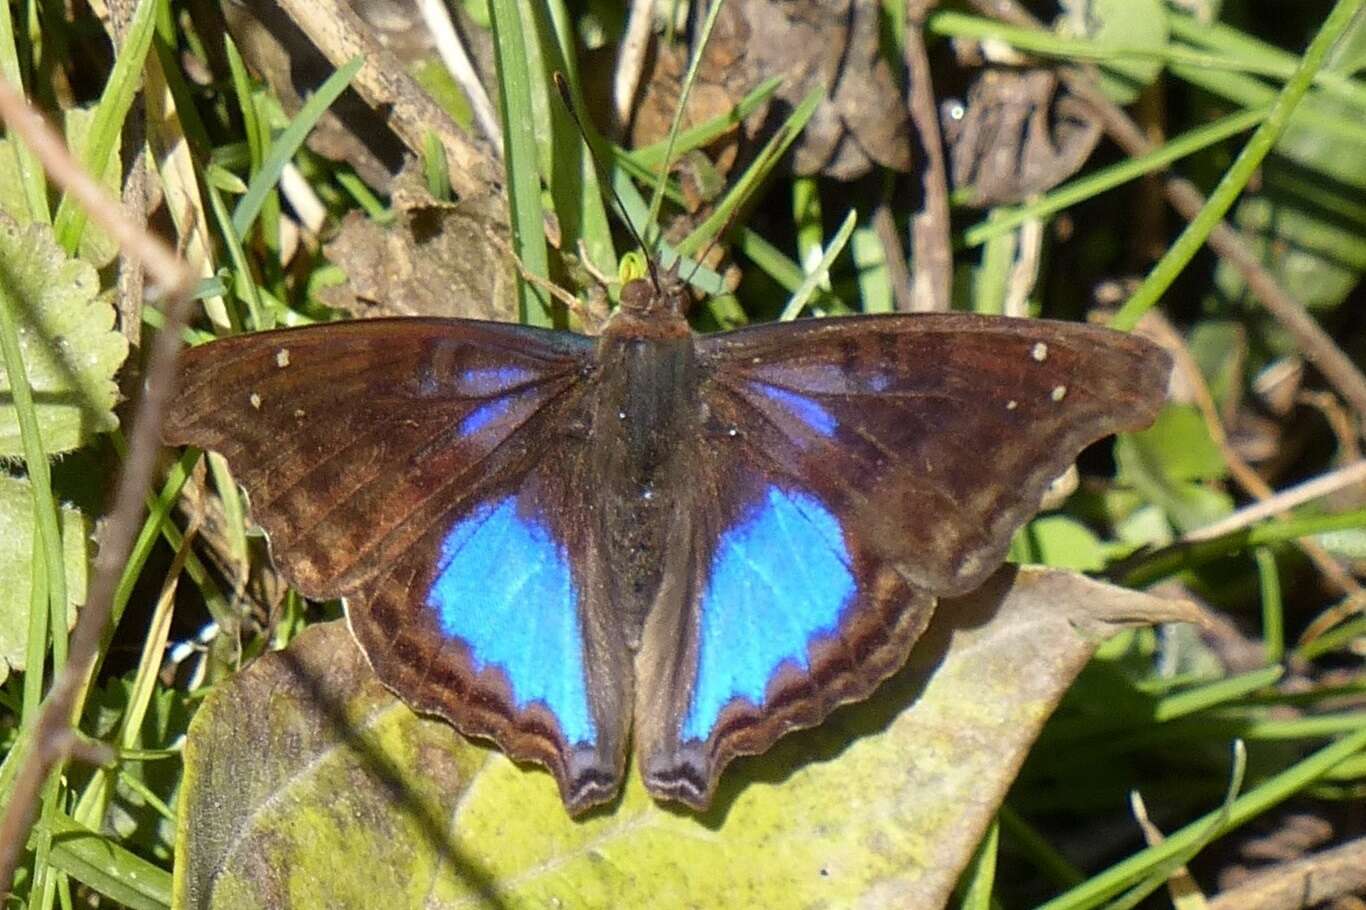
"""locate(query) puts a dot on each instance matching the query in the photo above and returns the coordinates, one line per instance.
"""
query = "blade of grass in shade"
(234, 512)
(107, 123)
(1248, 92)
(992, 274)
(154, 525)
(1164, 870)
(821, 271)
(657, 199)
(1273, 624)
(45, 875)
(375, 210)
(1200, 698)
(951, 24)
(93, 804)
(258, 132)
(1041, 853)
(649, 159)
(807, 220)
(578, 191)
(769, 259)
(1334, 639)
(755, 174)
(30, 171)
(434, 167)
(1171, 560)
(870, 265)
(1269, 793)
(287, 144)
(1174, 261)
(979, 879)
(39, 475)
(1266, 58)
(244, 285)
(525, 214)
(35, 649)
(1093, 184)
(105, 867)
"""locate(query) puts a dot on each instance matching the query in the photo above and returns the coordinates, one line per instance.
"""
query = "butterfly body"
(690, 543)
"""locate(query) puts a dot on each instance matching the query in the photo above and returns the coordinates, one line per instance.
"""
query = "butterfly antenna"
(604, 178)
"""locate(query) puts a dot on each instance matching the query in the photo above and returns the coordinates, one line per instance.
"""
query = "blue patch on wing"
(484, 415)
(504, 587)
(779, 579)
(482, 382)
(808, 411)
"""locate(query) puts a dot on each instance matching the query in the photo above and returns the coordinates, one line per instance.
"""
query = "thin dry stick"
(1242, 473)
(631, 59)
(53, 738)
(930, 248)
(1318, 348)
(1310, 881)
(1343, 478)
(384, 83)
(898, 272)
(452, 51)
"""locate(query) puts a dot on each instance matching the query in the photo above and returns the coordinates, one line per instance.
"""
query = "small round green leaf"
(16, 566)
(67, 339)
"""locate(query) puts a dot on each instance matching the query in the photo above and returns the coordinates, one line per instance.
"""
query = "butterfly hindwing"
(413, 467)
(856, 471)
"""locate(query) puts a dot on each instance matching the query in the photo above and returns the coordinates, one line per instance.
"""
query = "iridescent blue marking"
(484, 415)
(503, 586)
(483, 382)
(810, 413)
(780, 579)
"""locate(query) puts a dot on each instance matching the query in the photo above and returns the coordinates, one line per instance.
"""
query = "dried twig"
(930, 248)
(1343, 478)
(631, 59)
(53, 739)
(898, 272)
(1308, 882)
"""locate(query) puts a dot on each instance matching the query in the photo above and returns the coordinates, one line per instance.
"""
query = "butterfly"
(686, 545)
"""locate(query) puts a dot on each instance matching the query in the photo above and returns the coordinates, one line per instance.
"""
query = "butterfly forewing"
(856, 470)
(424, 470)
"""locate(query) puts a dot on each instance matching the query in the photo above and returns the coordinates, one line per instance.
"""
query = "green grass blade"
(105, 867)
(1230, 186)
(287, 144)
(821, 271)
(39, 473)
(525, 211)
(1271, 792)
(110, 114)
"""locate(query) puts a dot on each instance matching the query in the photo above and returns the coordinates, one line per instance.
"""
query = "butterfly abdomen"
(646, 402)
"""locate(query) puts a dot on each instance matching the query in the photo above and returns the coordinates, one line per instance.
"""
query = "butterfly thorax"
(644, 405)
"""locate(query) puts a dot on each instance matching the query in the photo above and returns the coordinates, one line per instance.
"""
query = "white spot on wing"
(282, 358)
(1012, 404)
(256, 401)
(1039, 352)
(1059, 392)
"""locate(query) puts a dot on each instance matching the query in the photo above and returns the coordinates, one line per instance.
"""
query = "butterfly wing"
(855, 470)
(421, 469)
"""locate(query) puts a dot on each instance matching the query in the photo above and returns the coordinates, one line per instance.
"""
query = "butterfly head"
(655, 304)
